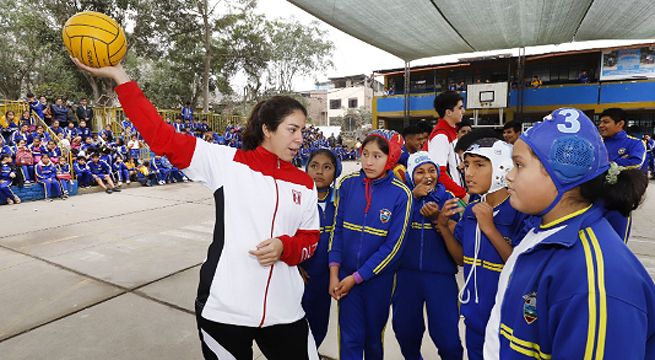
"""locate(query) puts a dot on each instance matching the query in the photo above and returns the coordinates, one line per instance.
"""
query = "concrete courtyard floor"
(114, 276)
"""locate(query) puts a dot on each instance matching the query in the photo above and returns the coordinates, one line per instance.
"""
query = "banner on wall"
(628, 64)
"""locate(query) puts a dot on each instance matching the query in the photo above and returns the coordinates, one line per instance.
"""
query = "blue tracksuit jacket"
(426, 280)
(368, 234)
(372, 219)
(574, 292)
(424, 248)
(626, 150)
(629, 152)
(100, 168)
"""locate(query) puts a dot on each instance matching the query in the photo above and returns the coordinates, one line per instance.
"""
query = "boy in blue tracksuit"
(46, 174)
(484, 236)
(372, 217)
(175, 175)
(627, 152)
(571, 289)
(163, 174)
(64, 176)
(82, 172)
(426, 273)
(7, 175)
(101, 173)
(324, 168)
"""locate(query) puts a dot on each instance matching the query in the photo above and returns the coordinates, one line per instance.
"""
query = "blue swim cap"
(570, 148)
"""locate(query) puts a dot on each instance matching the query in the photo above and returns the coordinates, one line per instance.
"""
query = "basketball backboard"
(486, 96)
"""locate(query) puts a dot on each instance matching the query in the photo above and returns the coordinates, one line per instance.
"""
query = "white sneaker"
(185, 179)
(128, 181)
(10, 201)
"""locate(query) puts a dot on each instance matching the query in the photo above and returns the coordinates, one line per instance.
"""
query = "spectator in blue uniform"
(627, 152)
(101, 173)
(46, 174)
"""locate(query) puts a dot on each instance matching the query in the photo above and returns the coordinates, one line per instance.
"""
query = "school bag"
(24, 157)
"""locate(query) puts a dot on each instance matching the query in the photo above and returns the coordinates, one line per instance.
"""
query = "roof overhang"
(415, 29)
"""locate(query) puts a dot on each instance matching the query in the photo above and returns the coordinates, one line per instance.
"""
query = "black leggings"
(277, 342)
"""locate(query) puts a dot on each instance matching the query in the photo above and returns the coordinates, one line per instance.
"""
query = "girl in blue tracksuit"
(64, 176)
(372, 217)
(426, 273)
(571, 289)
(324, 168)
(484, 236)
(46, 174)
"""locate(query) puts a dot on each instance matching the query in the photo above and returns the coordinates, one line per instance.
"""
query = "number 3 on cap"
(572, 125)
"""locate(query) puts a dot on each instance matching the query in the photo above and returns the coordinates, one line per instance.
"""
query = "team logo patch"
(385, 216)
(530, 307)
(621, 151)
(296, 196)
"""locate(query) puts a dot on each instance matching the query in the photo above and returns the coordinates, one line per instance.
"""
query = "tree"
(353, 121)
(296, 50)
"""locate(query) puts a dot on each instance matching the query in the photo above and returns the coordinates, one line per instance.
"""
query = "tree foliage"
(179, 50)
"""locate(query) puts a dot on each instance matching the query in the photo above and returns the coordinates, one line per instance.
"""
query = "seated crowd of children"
(30, 154)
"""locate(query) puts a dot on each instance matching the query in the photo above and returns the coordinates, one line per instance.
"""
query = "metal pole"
(521, 74)
(406, 93)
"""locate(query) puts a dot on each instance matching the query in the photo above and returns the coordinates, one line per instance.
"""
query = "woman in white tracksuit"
(266, 223)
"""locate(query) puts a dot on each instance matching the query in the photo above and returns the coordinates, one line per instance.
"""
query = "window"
(352, 103)
(335, 104)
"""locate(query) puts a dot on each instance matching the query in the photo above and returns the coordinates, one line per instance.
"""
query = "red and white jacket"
(258, 196)
(440, 146)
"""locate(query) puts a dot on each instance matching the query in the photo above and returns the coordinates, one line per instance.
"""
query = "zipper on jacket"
(361, 238)
(270, 273)
(420, 259)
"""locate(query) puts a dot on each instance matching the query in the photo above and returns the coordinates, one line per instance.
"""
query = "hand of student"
(430, 211)
(334, 285)
(116, 72)
(345, 285)
(268, 251)
(12, 175)
(421, 190)
(450, 208)
(485, 215)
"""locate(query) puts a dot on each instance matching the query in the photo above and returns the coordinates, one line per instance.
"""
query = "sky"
(353, 57)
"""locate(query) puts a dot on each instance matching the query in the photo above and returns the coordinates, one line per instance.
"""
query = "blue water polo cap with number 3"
(570, 147)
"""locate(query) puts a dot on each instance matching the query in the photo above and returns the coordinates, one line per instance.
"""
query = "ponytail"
(623, 192)
(271, 113)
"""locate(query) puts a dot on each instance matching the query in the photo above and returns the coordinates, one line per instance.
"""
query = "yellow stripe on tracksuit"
(643, 157)
(399, 242)
(597, 302)
(526, 348)
(366, 229)
(422, 226)
(485, 264)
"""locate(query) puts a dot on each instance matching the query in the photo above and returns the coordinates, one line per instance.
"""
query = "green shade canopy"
(415, 29)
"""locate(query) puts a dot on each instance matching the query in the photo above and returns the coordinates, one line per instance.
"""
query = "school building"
(591, 80)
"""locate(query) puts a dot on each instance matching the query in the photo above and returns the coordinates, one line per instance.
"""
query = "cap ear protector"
(416, 160)
(570, 148)
(395, 142)
(499, 153)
